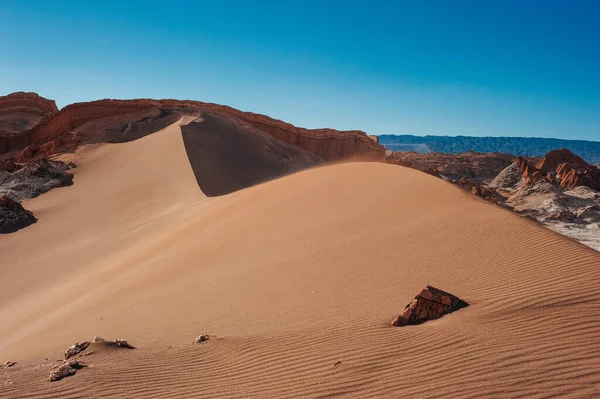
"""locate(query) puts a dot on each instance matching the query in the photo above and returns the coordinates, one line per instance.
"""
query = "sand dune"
(290, 277)
(227, 156)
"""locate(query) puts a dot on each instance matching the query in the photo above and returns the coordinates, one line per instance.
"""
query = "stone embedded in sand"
(430, 303)
(201, 339)
(76, 348)
(66, 369)
(9, 364)
(97, 338)
(121, 343)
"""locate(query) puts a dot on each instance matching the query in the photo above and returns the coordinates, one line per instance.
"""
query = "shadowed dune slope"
(227, 156)
(290, 278)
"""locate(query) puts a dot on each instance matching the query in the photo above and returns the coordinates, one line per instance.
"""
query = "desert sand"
(296, 281)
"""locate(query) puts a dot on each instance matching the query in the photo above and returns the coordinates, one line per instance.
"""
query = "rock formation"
(509, 178)
(560, 191)
(34, 178)
(554, 158)
(430, 303)
(487, 193)
(19, 112)
(13, 216)
(55, 132)
(560, 167)
(530, 174)
(478, 167)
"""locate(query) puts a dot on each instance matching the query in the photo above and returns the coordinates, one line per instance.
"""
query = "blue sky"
(483, 68)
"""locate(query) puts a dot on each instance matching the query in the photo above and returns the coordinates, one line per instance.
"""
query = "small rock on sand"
(76, 348)
(66, 369)
(121, 343)
(201, 339)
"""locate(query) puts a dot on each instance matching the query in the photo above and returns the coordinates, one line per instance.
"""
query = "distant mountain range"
(525, 146)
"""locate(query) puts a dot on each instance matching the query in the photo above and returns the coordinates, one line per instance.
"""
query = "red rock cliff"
(328, 144)
(19, 112)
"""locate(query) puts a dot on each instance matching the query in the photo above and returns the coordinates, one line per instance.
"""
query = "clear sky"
(480, 67)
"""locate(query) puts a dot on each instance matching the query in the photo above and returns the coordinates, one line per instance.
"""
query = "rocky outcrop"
(554, 158)
(54, 132)
(570, 177)
(487, 193)
(20, 112)
(546, 203)
(430, 303)
(474, 166)
(559, 167)
(529, 173)
(35, 178)
(13, 216)
(508, 179)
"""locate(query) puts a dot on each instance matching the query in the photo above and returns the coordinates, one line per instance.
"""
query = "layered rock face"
(430, 303)
(54, 133)
(13, 216)
(19, 112)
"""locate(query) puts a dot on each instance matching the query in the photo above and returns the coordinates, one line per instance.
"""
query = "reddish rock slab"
(430, 303)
